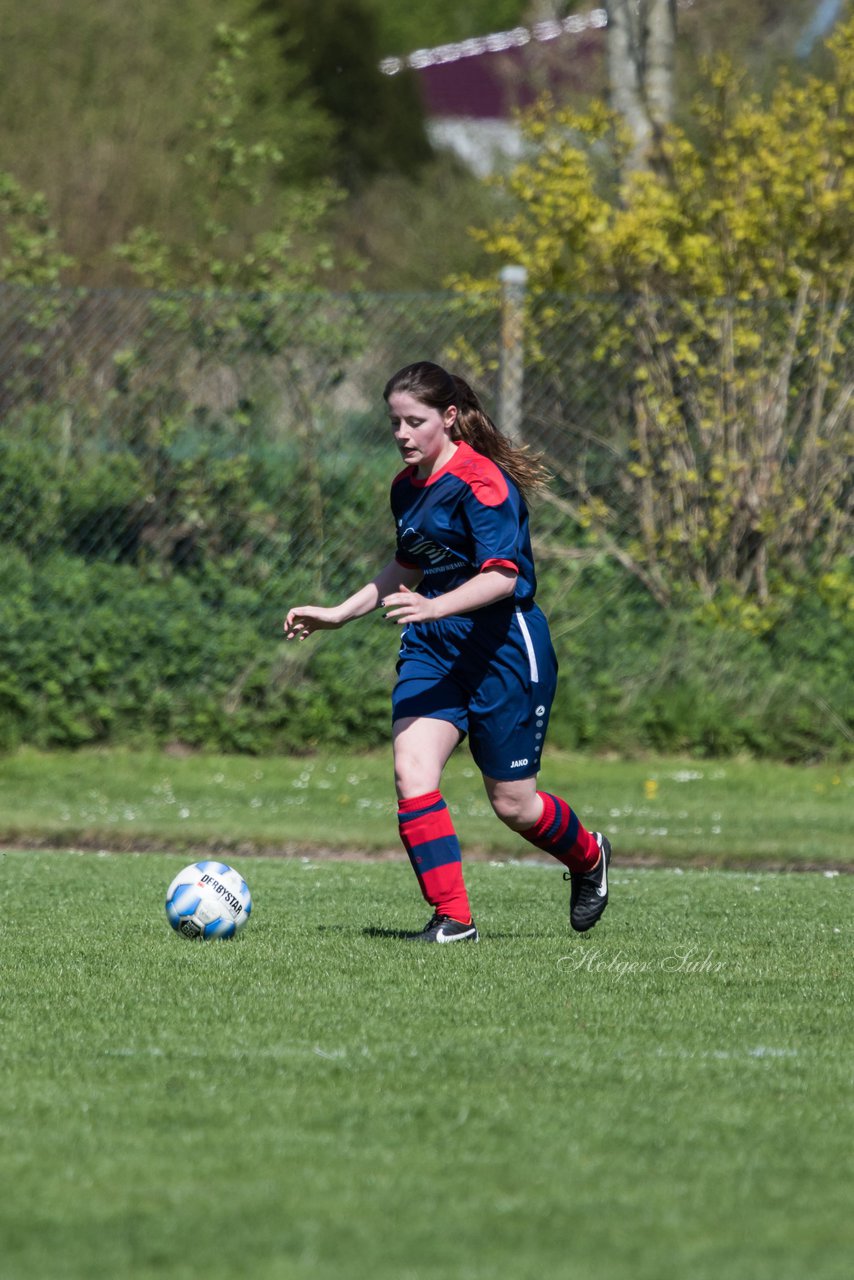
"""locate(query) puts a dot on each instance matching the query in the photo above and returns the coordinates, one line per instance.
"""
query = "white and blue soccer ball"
(208, 900)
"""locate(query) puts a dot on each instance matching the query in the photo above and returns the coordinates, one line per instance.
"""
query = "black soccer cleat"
(588, 896)
(445, 929)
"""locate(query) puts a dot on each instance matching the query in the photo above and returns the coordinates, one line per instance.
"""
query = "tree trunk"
(641, 44)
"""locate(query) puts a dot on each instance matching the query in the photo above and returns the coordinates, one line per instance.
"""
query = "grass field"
(715, 812)
(668, 1097)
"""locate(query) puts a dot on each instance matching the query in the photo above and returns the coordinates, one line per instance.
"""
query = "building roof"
(488, 77)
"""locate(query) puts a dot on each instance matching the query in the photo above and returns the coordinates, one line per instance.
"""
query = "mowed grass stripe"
(712, 812)
(665, 1097)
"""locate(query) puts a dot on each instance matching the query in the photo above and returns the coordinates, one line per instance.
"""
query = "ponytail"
(475, 426)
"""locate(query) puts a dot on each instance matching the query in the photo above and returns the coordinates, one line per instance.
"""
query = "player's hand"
(405, 606)
(306, 618)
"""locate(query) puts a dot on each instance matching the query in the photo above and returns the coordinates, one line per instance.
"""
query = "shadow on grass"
(407, 935)
(372, 931)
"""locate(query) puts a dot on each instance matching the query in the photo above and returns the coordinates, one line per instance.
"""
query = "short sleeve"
(494, 528)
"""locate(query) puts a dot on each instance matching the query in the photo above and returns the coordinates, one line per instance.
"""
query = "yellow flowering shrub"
(715, 295)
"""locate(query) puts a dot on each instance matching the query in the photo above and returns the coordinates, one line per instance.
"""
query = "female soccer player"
(476, 657)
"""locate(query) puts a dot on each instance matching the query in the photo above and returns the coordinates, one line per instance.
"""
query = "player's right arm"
(303, 619)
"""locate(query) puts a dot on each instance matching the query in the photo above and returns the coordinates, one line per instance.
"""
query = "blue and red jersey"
(491, 672)
(467, 517)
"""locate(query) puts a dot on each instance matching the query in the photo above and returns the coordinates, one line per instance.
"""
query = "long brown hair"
(432, 385)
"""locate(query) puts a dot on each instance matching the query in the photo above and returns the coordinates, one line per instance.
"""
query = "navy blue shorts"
(491, 673)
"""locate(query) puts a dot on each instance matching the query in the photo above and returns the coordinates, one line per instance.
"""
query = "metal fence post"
(513, 287)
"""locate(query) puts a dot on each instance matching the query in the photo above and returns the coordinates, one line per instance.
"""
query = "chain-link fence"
(183, 429)
(140, 427)
(177, 428)
(236, 448)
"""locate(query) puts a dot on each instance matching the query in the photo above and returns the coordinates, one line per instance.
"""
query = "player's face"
(421, 433)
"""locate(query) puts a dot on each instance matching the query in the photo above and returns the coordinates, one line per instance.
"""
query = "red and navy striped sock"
(429, 838)
(559, 833)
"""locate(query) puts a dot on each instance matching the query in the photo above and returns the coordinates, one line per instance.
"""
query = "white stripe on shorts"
(529, 645)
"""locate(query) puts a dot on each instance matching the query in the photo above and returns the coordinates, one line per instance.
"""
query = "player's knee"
(411, 777)
(511, 809)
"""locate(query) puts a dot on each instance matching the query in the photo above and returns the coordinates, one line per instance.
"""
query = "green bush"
(143, 585)
(29, 494)
(635, 677)
(98, 652)
(94, 652)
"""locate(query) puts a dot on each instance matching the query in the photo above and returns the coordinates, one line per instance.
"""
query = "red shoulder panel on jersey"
(483, 476)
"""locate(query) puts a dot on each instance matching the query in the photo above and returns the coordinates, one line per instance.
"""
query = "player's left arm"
(486, 587)
(492, 522)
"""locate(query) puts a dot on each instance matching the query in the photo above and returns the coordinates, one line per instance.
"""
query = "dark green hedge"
(97, 652)
(636, 677)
